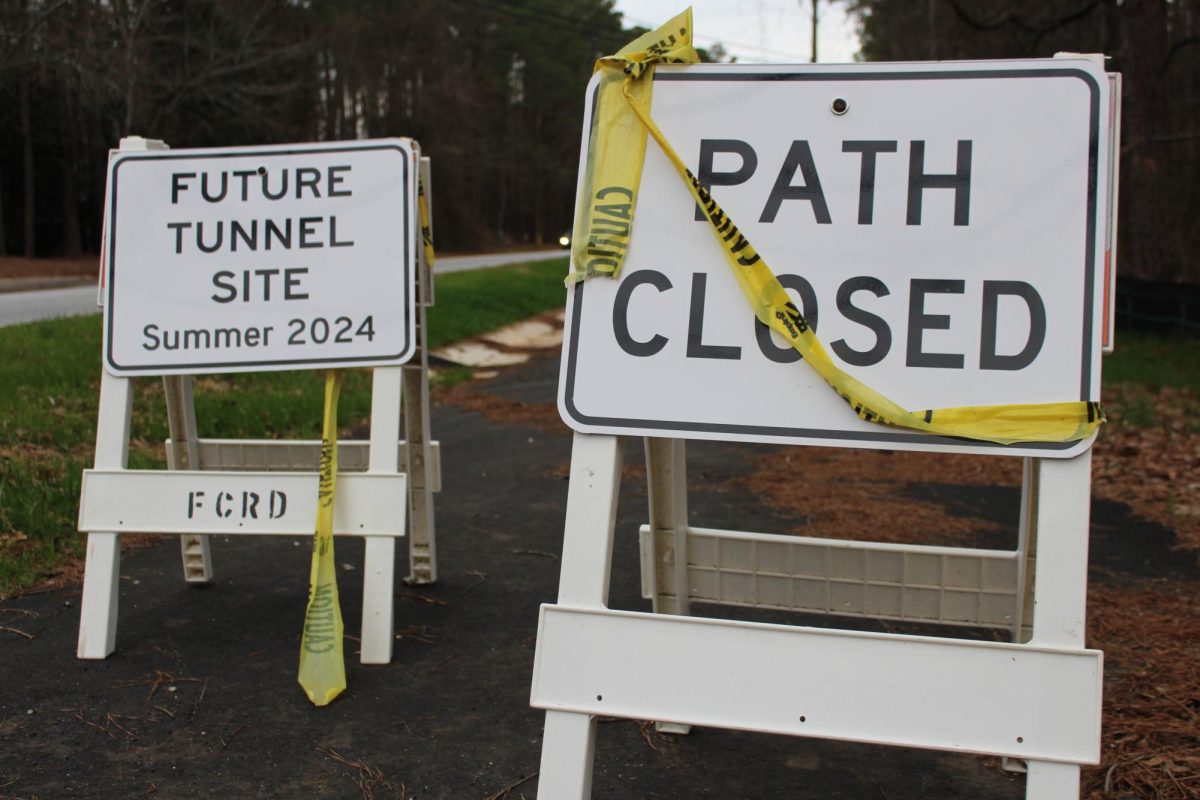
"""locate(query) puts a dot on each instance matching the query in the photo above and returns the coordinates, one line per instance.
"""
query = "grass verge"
(469, 303)
(1152, 380)
(49, 391)
(1154, 362)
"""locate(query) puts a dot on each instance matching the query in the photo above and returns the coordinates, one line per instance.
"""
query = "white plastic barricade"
(963, 271)
(420, 454)
(216, 486)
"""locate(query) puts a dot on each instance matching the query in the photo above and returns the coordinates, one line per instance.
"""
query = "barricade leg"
(591, 517)
(567, 745)
(569, 739)
(666, 475)
(1026, 550)
(379, 568)
(422, 547)
(184, 454)
(1050, 781)
(98, 606)
(1022, 624)
(379, 556)
(1060, 589)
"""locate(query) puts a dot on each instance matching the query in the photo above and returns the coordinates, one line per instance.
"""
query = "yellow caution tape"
(608, 183)
(322, 664)
(617, 146)
(426, 228)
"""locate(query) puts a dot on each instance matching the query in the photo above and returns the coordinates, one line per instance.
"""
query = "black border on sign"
(297, 363)
(883, 436)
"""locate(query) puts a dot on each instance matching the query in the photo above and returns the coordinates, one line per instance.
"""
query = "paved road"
(18, 307)
(28, 306)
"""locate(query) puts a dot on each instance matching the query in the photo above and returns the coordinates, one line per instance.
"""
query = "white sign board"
(277, 257)
(941, 225)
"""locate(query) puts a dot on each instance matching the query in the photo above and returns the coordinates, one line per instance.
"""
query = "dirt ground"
(17, 267)
(200, 698)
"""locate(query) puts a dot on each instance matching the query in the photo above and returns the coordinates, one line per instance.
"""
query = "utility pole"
(814, 30)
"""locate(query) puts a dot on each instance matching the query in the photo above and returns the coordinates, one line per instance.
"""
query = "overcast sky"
(757, 31)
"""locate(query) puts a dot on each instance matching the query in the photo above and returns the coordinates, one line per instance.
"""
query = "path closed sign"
(942, 226)
(281, 257)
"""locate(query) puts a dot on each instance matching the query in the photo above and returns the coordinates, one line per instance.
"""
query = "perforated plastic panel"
(914, 583)
(295, 456)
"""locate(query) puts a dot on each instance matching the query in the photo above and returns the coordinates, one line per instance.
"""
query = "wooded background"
(493, 90)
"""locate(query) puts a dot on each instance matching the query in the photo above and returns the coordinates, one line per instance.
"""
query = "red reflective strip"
(1104, 337)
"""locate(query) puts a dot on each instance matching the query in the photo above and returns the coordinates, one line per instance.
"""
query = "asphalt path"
(17, 307)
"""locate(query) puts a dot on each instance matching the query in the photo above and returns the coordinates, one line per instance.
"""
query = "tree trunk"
(933, 40)
(3, 237)
(131, 26)
(72, 241)
(72, 237)
(27, 154)
(335, 105)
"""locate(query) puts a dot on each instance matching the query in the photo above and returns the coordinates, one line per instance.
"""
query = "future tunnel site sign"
(941, 225)
(280, 257)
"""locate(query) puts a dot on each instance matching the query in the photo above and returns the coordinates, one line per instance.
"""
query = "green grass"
(468, 303)
(37, 497)
(49, 387)
(1154, 362)
(1141, 367)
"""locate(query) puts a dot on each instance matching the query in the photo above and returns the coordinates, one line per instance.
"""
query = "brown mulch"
(474, 396)
(862, 494)
(17, 267)
(1150, 636)
(1156, 470)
